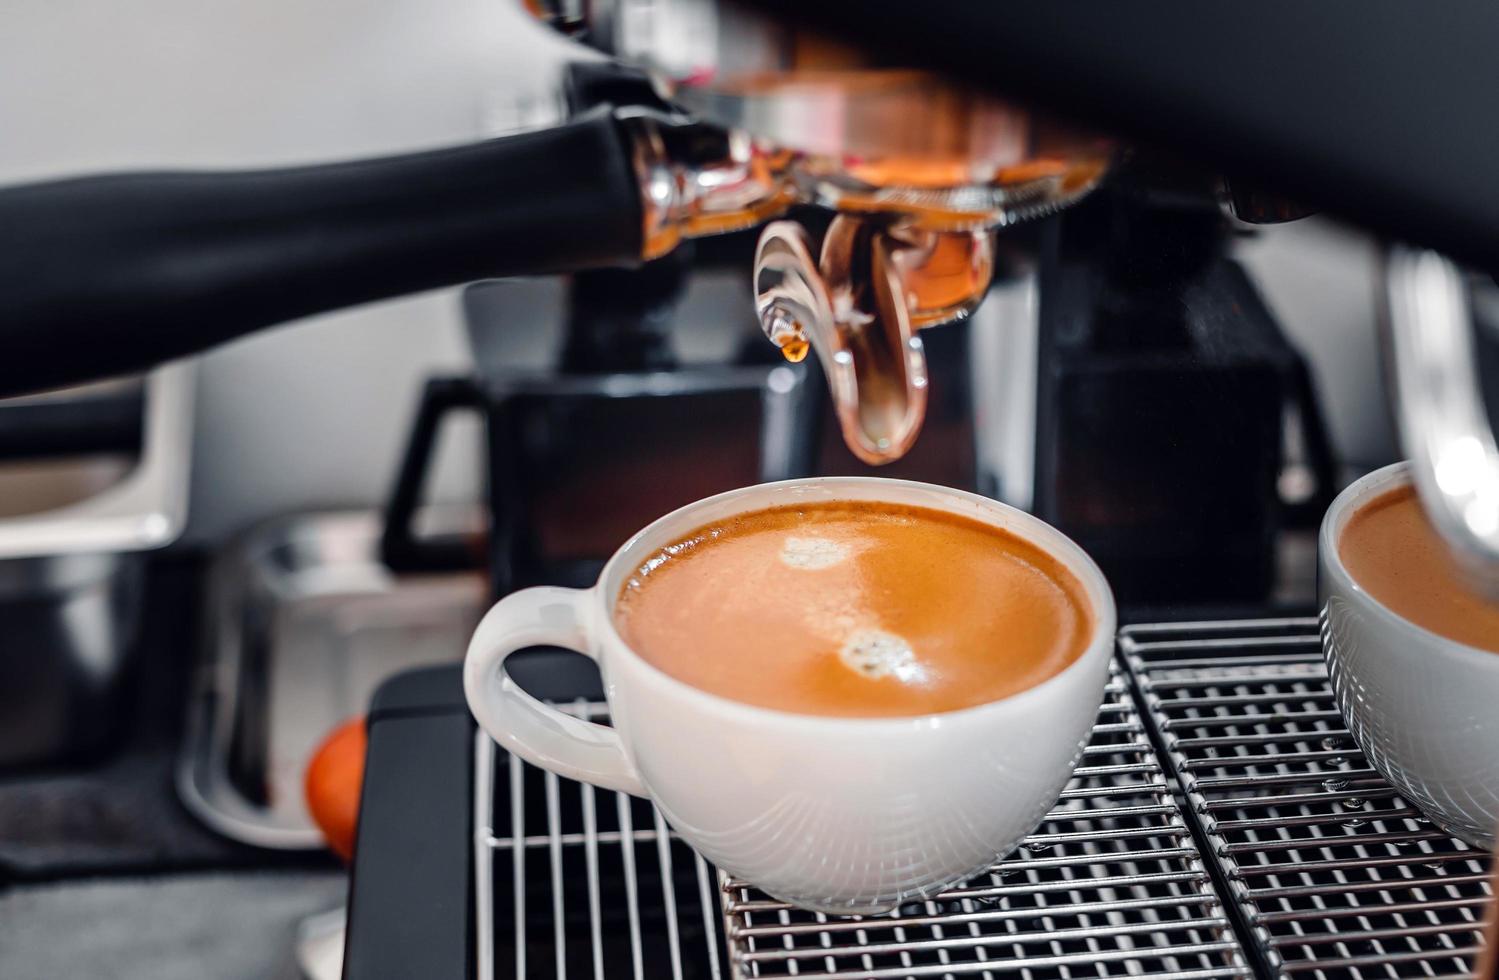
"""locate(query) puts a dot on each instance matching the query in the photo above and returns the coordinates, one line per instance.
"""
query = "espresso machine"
(715, 117)
(893, 188)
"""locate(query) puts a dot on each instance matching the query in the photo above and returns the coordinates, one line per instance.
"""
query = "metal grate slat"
(1110, 884)
(1330, 871)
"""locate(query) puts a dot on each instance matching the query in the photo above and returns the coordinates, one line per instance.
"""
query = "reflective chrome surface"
(859, 305)
(71, 578)
(145, 507)
(1330, 872)
(689, 196)
(811, 93)
(1439, 407)
(304, 623)
(813, 121)
(850, 306)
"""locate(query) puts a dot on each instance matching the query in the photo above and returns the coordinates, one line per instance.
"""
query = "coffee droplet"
(786, 333)
(876, 654)
(813, 553)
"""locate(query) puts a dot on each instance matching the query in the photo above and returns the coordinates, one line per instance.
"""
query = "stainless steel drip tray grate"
(1332, 872)
(573, 881)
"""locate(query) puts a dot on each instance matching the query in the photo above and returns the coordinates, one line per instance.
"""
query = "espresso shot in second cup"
(1412, 651)
(853, 693)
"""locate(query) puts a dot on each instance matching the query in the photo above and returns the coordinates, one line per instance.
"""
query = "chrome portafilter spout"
(902, 255)
(917, 168)
(859, 306)
(910, 247)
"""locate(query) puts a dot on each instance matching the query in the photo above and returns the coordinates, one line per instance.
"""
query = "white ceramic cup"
(841, 815)
(1424, 709)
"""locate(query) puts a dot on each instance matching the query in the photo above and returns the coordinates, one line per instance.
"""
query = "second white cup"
(1423, 708)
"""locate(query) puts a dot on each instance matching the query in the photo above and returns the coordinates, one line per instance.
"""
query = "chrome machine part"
(860, 305)
(831, 104)
(72, 528)
(1439, 407)
(687, 194)
(141, 508)
(304, 622)
(852, 307)
(918, 168)
(874, 317)
(1328, 871)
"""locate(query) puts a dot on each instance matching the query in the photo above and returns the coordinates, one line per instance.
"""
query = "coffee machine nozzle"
(1439, 406)
(916, 169)
(730, 119)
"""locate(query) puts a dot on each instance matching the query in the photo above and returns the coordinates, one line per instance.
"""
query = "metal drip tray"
(574, 881)
(1221, 824)
(1332, 873)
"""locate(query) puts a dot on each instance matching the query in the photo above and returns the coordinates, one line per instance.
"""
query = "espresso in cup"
(851, 692)
(855, 609)
(1391, 548)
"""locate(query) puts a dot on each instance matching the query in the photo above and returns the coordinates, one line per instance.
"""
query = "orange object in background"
(334, 777)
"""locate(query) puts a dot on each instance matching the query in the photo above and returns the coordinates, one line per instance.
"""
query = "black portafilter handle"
(108, 274)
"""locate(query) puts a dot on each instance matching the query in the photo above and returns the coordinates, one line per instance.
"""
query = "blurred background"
(315, 416)
(175, 842)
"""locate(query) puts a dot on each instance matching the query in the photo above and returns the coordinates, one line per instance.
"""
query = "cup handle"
(524, 726)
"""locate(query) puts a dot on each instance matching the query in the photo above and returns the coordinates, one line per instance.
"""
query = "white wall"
(309, 415)
(1320, 279)
(312, 415)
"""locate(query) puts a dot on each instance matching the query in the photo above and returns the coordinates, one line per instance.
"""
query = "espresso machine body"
(882, 185)
(1179, 435)
(720, 116)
